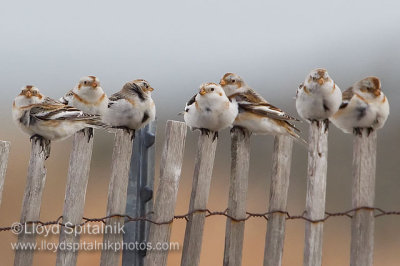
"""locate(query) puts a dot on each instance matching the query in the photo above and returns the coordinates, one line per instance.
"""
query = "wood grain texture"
(74, 202)
(164, 206)
(240, 149)
(117, 193)
(363, 195)
(4, 152)
(198, 200)
(281, 162)
(316, 192)
(35, 181)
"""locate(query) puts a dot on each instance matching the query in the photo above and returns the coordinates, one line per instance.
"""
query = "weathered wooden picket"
(364, 164)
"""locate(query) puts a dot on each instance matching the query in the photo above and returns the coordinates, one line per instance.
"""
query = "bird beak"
(222, 82)
(321, 81)
(377, 92)
(28, 94)
(150, 89)
(94, 85)
(202, 91)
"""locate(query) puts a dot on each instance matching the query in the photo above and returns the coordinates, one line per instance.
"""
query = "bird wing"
(252, 102)
(249, 96)
(346, 97)
(57, 111)
(190, 102)
(50, 101)
(138, 91)
(299, 88)
(267, 110)
(115, 97)
(66, 98)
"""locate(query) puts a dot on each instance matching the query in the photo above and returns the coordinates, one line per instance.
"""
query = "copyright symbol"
(16, 228)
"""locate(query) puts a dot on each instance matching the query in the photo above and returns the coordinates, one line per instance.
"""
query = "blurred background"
(177, 45)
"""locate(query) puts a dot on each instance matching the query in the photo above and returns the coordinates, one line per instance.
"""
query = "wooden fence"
(364, 164)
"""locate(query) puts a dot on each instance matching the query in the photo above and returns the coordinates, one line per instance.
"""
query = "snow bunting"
(210, 110)
(364, 106)
(42, 116)
(87, 96)
(318, 98)
(255, 113)
(132, 107)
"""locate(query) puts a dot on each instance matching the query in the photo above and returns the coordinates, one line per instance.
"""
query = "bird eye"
(212, 89)
(233, 81)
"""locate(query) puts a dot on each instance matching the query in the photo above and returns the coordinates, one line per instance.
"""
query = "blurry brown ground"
(337, 230)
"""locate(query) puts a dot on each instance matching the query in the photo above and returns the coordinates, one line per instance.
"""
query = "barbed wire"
(378, 212)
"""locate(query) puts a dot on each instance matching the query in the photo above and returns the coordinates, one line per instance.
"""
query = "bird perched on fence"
(87, 96)
(364, 106)
(255, 113)
(210, 110)
(38, 115)
(132, 107)
(318, 97)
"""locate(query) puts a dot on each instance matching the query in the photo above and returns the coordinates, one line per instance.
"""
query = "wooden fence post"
(75, 192)
(316, 192)
(198, 200)
(4, 151)
(32, 201)
(164, 206)
(117, 192)
(234, 233)
(363, 194)
(281, 162)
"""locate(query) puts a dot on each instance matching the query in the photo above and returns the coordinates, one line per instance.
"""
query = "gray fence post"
(234, 230)
(363, 195)
(4, 151)
(316, 192)
(140, 193)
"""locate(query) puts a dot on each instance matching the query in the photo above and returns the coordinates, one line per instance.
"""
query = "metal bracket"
(140, 194)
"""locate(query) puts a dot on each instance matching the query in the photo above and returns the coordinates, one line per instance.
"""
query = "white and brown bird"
(255, 113)
(38, 115)
(132, 107)
(364, 106)
(210, 110)
(87, 96)
(318, 97)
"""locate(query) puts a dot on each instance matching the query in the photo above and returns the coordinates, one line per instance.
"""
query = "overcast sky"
(176, 45)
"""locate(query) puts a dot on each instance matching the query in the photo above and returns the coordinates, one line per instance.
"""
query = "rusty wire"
(378, 212)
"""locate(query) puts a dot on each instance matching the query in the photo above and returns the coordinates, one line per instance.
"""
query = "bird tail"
(96, 122)
(299, 139)
(291, 129)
